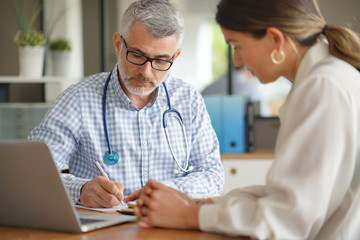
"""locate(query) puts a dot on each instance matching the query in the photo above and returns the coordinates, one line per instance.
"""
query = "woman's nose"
(237, 60)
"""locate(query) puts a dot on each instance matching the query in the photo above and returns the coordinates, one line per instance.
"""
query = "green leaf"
(35, 11)
(25, 17)
(31, 38)
(60, 44)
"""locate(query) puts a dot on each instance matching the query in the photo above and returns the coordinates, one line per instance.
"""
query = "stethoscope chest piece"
(111, 158)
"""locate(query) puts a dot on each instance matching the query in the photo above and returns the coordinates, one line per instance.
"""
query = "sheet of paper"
(199, 196)
(112, 209)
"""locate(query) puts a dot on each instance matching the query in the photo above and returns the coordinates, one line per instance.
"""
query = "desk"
(129, 231)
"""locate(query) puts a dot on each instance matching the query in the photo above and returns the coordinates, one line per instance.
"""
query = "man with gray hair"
(137, 122)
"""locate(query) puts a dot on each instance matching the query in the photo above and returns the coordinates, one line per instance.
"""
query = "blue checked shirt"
(73, 128)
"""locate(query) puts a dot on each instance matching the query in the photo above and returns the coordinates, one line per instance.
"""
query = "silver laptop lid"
(33, 194)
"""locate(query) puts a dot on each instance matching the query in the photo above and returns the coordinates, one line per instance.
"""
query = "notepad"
(112, 209)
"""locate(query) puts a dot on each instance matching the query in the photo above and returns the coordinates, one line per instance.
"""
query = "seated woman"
(312, 188)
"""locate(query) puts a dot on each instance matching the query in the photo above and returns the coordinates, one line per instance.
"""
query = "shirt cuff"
(208, 217)
(74, 187)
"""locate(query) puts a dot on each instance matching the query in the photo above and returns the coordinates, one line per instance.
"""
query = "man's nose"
(146, 69)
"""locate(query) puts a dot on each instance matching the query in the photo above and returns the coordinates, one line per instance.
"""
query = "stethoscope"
(112, 157)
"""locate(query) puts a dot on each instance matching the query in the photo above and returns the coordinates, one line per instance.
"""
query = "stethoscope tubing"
(179, 118)
(104, 113)
(177, 115)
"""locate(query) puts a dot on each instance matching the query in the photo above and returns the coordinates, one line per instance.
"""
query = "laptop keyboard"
(85, 221)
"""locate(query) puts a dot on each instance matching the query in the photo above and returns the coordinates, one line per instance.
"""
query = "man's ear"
(177, 53)
(117, 43)
(276, 37)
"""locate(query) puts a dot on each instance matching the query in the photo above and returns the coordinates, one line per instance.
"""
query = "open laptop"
(33, 195)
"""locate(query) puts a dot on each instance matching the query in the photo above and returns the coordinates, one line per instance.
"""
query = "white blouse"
(312, 188)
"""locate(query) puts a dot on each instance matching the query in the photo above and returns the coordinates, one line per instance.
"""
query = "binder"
(233, 124)
(213, 106)
(250, 127)
(228, 120)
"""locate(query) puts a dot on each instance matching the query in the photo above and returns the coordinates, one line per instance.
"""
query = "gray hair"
(159, 17)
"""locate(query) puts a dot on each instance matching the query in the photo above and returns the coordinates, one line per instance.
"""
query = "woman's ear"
(276, 37)
(117, 43)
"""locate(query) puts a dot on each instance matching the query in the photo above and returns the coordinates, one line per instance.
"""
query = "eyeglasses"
(140, 59)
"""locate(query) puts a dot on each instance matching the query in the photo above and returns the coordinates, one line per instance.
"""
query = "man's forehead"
(141, 40)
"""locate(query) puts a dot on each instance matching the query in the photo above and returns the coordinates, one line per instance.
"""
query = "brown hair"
(301, 21)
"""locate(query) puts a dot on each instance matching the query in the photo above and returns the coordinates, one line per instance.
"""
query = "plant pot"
(31, 61)
(60, 63)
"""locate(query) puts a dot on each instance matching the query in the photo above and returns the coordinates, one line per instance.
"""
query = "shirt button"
(144, 143)
(145, 174)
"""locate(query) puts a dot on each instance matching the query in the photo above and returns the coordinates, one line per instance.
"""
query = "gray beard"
(134, 90)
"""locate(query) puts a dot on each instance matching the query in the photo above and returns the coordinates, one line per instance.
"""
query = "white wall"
(64, 20)
(345, 12)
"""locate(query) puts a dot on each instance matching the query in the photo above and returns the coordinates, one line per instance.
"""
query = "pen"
(103, 173)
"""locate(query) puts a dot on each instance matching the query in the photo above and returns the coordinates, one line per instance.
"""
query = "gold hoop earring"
(275, 61)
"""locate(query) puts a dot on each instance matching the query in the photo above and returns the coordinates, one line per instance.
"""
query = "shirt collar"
(314, 55)
(118, 92)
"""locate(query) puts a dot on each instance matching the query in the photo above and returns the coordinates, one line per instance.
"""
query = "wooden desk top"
(129, 231)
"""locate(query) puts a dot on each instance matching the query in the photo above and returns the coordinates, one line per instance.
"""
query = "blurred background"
(89, 26)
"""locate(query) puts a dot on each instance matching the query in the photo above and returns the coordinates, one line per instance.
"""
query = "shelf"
(19, 79)
(16, 105)
(53, 85)
(26, 101)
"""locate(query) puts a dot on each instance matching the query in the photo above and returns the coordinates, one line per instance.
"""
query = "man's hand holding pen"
(101, 191)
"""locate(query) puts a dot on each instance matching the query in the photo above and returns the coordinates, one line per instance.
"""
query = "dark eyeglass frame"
(148, 59)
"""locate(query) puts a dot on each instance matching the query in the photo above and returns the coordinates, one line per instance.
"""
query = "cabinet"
(246, 169)
(25, 101)
(18, 119)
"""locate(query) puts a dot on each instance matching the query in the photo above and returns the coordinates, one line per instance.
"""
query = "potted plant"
(30, 42)
(60, 52)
